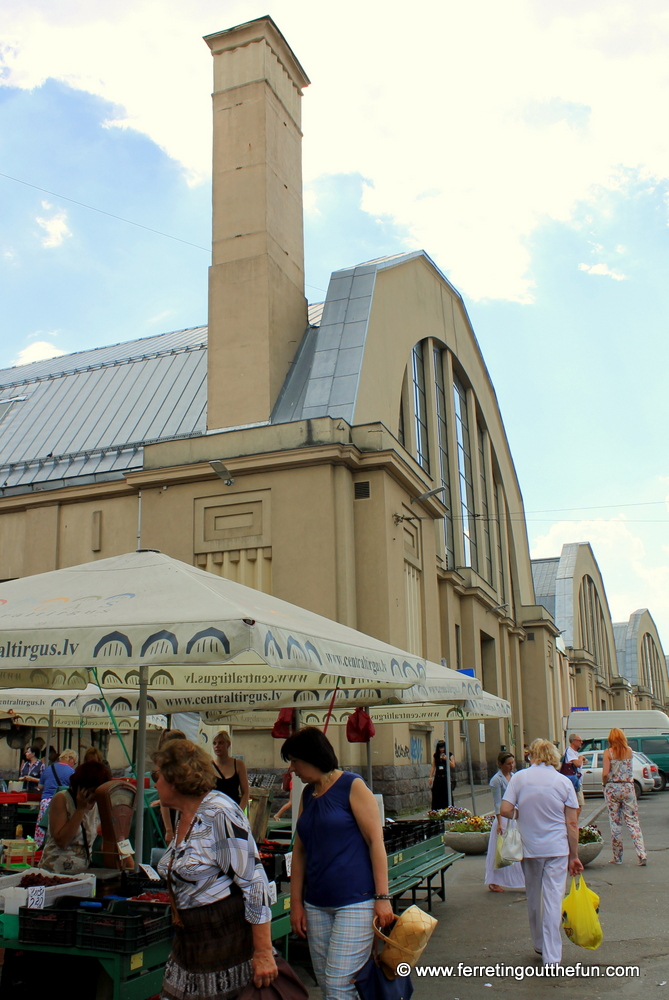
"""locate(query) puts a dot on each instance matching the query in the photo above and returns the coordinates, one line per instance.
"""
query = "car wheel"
(637, 789)
(663, 779)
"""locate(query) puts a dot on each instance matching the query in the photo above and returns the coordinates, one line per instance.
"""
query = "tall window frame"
(485, 506)
(465, 475)
(442, 444)
(420, 407)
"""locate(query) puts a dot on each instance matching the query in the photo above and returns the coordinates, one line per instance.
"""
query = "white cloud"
(39, 350)
(160, 317)
(602, 269)
(56, 228)
(510, 115)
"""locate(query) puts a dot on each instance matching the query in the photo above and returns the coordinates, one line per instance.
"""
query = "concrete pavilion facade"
(571, 588)
(332, 420)
(641, 660)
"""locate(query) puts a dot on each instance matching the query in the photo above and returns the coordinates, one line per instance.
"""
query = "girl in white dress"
(510, 877)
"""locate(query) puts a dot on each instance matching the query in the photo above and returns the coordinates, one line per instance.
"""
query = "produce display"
(152, 897)
(34, 878)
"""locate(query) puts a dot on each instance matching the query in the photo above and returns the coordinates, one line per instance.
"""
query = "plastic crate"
(133, 885)
(15, 797)
(55, 925)
(18, 852)
(124, 927)
(7, 819)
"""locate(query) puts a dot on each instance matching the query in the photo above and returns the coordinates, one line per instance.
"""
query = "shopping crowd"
(219, 893)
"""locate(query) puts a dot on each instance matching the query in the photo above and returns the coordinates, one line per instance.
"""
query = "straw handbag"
(407, 940)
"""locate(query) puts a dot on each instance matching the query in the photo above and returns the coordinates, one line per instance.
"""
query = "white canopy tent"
(144, 619)
(146, 610)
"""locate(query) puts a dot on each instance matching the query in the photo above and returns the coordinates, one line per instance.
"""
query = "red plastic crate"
(8, 797)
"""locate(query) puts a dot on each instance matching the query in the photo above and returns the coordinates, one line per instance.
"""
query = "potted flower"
(453, 812)
(590, 843)
(468, 834)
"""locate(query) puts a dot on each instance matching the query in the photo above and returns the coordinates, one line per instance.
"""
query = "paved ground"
(481, 928)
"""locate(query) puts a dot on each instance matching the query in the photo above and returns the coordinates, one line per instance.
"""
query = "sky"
(523, 146)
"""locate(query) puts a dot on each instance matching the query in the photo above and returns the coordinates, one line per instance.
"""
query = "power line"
(644, 503)
(120, 218)
(101, 211)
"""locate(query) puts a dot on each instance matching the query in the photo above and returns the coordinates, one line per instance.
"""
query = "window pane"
(420, 407)
(444, 470)
(485, 512)
(465, 475)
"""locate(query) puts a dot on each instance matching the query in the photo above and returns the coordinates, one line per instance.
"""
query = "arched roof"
(557, 583)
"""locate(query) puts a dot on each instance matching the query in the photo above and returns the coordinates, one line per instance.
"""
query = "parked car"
(646, 730)
(592, 774)
(654, 770)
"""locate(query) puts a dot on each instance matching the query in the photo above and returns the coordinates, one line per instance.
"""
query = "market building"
(571, 588)
(641, 660)
(349, 456)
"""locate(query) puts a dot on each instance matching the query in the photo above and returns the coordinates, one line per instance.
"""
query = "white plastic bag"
(512, 846)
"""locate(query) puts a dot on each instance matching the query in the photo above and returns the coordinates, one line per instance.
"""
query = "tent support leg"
(140, 763)
(369, 765)
(49, 737)
(469, 767)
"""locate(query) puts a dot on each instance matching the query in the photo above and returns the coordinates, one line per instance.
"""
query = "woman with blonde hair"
(618, 781)
(53, 777)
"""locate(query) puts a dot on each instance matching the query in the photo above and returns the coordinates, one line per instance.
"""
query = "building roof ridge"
(110, 363)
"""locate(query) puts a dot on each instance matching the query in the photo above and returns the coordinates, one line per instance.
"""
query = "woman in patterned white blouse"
(218, 887)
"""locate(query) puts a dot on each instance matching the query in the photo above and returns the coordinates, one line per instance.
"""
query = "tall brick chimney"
(257, 307)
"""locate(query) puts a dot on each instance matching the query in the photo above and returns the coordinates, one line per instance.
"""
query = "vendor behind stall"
(31, 772)
(74, 821)
(56, 774)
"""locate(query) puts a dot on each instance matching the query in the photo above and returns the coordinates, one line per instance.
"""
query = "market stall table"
(133, 977)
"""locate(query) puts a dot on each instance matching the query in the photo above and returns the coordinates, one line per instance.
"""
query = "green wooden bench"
(415, 868)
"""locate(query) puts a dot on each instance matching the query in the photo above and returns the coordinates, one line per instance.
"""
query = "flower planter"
(467, 843)
(588, 852)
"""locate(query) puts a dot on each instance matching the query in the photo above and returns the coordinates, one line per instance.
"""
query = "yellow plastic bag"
(500, 862)
(580, 916)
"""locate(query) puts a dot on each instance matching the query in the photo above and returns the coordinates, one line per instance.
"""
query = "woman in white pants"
(511, 876)
(548, 822)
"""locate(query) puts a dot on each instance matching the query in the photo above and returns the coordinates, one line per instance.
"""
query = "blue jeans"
(340, 942)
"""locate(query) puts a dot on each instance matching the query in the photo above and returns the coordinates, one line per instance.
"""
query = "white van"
(646, 731)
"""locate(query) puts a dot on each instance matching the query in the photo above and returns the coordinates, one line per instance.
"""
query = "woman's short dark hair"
(90, 775)
(503, 757)
(313, 747)
(36, 750)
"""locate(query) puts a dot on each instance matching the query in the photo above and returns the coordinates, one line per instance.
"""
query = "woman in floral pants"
(620, 796)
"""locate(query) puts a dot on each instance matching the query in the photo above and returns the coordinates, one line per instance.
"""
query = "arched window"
(650, 674)
(594, 636)
(440, 425)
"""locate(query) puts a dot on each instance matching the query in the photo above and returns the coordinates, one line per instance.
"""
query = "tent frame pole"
(369, 765)
(469, 767)
(140, 763)
(49, 737)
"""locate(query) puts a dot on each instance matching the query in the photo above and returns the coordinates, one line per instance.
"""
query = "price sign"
(125, 848)
(36, 897)
(272, 892)
(150, 873)
(289, 863)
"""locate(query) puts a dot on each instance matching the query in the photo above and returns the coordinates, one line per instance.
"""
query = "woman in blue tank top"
(339, 879)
